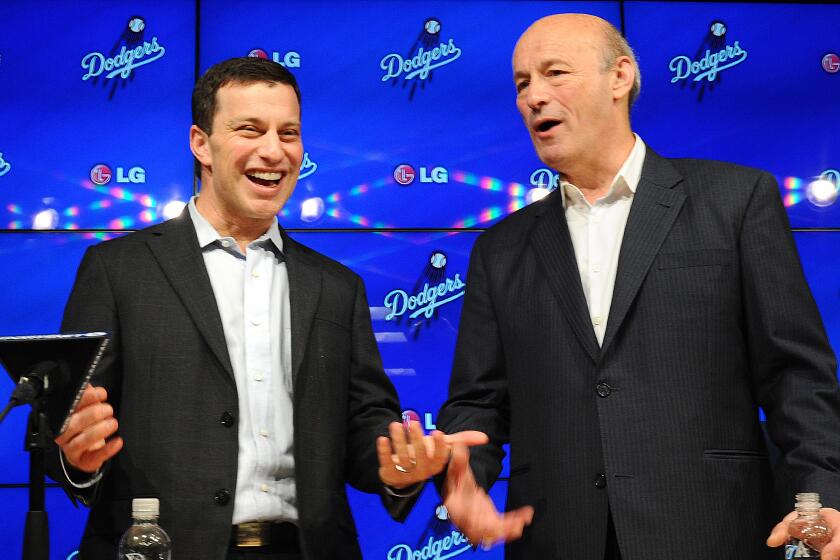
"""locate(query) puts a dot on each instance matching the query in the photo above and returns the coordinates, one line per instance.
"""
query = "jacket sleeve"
(478, 389)
(373, 405)
(90, 307)
(793, 367)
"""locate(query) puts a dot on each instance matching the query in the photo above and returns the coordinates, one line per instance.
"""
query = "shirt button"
(258, 376)
(603, 390)
(596, 321)
(600, 480)
(264, 487)
(226, 419)
(264, 433)
(222, 497)
(596, 219)
(596, 268)
(255, 322)
(255, 273)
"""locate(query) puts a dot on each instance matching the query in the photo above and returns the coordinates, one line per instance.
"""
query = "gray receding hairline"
(615, 45)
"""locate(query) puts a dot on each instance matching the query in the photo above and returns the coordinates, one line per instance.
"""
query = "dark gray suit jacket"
(711, 318)
(169, 378)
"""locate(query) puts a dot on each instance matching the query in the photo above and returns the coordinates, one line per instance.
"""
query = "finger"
(440, 452)
(416, 443)
(90, 439)
(84, 418)
(399, 444)
(831, 551)
(468, 437)
(383, 452)
(92, 462)
(779, 535)
(457, 468)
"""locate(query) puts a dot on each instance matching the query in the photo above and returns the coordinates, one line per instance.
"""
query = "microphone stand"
(36, 534)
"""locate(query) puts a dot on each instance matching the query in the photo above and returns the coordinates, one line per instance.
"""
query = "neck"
(242, 230)
(594, 172)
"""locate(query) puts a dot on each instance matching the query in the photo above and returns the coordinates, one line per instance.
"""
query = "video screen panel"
(717, 84)
(409, 116)
(95, 108)
(66, 523)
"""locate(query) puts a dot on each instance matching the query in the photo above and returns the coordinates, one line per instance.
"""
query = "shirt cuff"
(95, 477)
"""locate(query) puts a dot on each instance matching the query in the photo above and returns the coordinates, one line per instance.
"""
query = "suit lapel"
(554, 250)
(304, 294)
(656, 205)
(175, 246)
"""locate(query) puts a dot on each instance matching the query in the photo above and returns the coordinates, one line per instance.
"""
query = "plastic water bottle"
(145, 540)
(809, 531)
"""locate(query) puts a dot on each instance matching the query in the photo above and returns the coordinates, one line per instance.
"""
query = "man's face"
(253, 153)
(563, 94)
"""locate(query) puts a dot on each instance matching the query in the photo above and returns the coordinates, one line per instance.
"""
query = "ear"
(624, 74)
(200, 146)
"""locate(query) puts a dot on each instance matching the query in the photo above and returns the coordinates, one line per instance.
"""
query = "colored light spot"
(359, 189)
(793, 183)
(17, 224)
(515, 205)
(72, 211)
(14, 209)
(792, 198)
(516, 189)
(147, 216)
(490, 184)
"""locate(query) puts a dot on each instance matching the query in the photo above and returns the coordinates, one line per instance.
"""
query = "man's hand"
(400, 463)
(472, 510)
(85, 442)
(780, 534)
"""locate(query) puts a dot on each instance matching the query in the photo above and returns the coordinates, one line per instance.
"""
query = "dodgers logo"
(427, 53)
(544, 178)
(713, 56)
(5, 166)
(450, 546)
(433, 289)
(130, 51)
(307, 167)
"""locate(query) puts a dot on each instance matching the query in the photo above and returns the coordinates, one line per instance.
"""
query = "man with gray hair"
(622, 334)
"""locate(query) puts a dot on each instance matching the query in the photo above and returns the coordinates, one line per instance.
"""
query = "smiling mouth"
(265, 179)
(545, 126)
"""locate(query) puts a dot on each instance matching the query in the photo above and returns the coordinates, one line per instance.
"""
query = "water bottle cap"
(145, 507)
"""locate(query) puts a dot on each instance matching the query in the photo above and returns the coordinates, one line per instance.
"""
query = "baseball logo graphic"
(438, 260)
(432, 26)
(718, 28)
(136, 24)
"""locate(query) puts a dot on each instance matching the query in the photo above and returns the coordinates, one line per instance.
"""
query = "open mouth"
(265, 179)
(547, 125)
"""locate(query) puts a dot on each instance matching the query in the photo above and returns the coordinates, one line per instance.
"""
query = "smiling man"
(622, 334)
(242, 365)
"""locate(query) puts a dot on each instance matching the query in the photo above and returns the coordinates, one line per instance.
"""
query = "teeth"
(266, 176)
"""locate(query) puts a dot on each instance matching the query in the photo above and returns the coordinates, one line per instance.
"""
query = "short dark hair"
(242, 70)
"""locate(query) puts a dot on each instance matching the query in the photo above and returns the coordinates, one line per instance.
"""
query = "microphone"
(44, 378)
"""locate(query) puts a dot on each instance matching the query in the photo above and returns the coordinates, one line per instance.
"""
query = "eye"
(554, 72)
(290, 133)
(521, 85)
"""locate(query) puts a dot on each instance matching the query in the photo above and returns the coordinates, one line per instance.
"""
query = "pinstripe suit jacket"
(169, 378)
(711, 318)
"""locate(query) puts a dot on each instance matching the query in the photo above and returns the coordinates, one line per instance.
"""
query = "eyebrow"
(256, 120)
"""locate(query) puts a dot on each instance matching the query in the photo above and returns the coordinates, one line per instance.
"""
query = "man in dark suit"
(622, 333)
(242, 365)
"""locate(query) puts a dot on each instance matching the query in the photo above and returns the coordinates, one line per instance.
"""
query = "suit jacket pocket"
(700, 257)
(734, 455)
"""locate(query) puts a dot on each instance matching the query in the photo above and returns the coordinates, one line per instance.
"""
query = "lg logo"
(405, 174)
(101, 174)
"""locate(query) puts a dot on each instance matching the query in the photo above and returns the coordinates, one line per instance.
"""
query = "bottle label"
(798, 549)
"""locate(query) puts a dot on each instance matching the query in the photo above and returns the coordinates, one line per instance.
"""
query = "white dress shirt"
(252, 294)
(597, 230)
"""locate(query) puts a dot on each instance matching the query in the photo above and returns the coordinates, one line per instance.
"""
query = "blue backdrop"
(95, 112)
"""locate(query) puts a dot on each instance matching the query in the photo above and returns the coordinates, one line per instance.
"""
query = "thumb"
(458, 465)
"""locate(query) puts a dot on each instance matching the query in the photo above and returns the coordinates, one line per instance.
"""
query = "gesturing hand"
(408, 458)
(85, 442)
(472, 510)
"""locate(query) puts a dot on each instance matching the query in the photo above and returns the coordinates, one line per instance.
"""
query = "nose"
(270, 148)
(536, 95)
